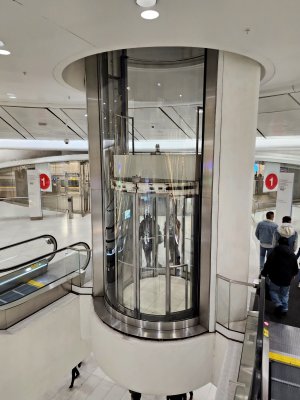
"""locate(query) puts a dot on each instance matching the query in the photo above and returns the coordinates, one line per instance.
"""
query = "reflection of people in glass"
(146, 235)
(174, 236)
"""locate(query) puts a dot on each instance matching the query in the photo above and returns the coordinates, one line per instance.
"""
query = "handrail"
(224, 278)
(256, 390)
(52, 239)
(52, 255)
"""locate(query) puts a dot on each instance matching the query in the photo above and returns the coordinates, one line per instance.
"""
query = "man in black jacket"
(281, 267)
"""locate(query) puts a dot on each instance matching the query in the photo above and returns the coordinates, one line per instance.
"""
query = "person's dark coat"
(281, 265)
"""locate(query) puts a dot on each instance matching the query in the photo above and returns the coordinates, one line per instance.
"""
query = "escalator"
(34, 283)
(272, 370)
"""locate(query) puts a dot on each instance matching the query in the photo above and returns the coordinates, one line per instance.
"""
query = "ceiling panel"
(79, 116)
(282, 102)
(41, 123)
(7, 132)
(153, 123)
(296, 96)
(285, 123)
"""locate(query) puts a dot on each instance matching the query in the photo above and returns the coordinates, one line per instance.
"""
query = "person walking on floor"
(286, 230)
(264, 232)
(75, 374)
(281, 267)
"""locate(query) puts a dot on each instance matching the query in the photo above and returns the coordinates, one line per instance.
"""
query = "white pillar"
(236, 122)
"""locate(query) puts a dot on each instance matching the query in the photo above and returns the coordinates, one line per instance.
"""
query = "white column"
(236, 122)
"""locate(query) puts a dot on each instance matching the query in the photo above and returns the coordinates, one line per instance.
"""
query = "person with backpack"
(281, 267)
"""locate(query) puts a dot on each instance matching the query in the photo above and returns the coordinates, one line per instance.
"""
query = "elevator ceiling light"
(146, 3)
(150, 14)
(4, 52)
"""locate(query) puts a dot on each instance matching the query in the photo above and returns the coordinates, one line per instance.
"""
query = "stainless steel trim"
(235, 281)
(265, 369)
(168, 272)
(92, 65)
(160, 325)
(207, 167)
(146, 329)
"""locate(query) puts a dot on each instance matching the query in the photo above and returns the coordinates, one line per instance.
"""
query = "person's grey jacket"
(265, 231)
(288, 231)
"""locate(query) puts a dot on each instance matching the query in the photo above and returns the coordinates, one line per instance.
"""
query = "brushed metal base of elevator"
(146, 329)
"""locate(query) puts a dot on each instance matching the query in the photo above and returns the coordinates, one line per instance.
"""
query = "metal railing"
(230, 313)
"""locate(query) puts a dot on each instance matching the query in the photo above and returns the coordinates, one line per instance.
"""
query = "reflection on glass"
(151, 180)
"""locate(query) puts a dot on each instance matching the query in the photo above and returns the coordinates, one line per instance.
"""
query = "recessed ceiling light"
(150, 14)
(146, 3)
(158, 84)
(1, 44)
(85, 115)
(4, 52)
(180, 95)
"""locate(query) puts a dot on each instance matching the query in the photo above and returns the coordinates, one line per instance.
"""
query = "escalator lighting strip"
(284, 359)
(33, 267)
(35, 283)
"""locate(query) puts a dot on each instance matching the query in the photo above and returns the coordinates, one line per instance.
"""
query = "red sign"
(44, 181)
(271, 181)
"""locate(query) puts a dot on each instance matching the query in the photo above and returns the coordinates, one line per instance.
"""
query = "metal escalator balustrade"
(41, 276)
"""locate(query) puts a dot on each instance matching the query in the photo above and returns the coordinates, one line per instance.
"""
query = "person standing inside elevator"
(174, 237)
(147, 237)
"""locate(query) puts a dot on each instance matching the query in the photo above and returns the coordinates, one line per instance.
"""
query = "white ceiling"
(45, 36)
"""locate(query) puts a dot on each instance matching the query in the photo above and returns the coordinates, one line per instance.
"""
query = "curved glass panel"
(151, 118)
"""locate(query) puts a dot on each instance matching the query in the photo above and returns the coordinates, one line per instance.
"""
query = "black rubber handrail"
(52, 255)
(46, 236)
(256, 384)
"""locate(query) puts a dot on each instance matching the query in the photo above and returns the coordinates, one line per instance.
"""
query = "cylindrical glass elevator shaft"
(150, 111)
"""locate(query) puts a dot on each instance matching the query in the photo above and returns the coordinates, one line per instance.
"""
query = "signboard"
(45, 177)
(34, 194)
(284, 196)
(271, 173)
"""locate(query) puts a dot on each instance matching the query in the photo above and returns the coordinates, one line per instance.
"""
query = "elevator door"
(154, 255)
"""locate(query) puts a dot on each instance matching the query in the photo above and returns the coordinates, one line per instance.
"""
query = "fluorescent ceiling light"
(146, 3)
(4, 52)
(150, 14)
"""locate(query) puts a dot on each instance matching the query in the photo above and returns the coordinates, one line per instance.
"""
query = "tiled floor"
(93, 384)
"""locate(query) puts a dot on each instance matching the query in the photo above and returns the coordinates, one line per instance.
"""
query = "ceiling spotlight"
(180, 95)
(146, 3)
(85, 115)
(4, 52)
(150, 14)
(158, 84)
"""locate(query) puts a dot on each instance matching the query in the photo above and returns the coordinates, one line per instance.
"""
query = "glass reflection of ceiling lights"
(166, 90)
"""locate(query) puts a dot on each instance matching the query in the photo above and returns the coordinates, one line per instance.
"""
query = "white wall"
(38, 352)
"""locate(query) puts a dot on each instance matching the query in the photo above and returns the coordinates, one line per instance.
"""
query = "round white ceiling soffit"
(146, 3)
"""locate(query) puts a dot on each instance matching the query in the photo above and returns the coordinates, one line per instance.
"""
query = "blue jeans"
(279, 295)
(262, 256)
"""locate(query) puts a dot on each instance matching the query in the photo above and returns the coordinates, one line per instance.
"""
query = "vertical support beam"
(207, 159)
(168, 272)
(96, 173)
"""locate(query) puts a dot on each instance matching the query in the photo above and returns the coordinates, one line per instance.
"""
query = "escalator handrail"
(51, 256)
(256, 384)
(46, 236)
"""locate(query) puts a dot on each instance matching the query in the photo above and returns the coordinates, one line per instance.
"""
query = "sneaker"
(278, 311)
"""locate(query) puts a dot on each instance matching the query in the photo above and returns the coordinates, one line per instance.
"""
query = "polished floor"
(93, 384)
